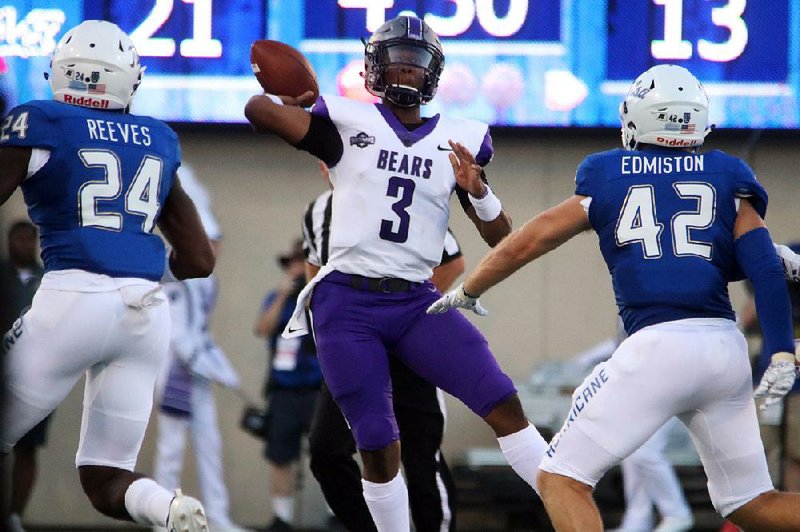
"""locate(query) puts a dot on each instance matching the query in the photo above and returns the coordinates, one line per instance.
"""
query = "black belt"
(386, 285)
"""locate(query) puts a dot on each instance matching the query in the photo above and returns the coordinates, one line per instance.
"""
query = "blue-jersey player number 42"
(638, 222)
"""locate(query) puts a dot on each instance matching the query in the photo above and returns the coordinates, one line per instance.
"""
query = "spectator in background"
(293, 380)
(19, 279)
(185, 385)
(418, 405)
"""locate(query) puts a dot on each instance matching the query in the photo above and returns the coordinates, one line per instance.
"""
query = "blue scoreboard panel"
(508, 62)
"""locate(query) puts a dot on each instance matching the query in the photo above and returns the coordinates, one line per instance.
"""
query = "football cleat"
(186, 514)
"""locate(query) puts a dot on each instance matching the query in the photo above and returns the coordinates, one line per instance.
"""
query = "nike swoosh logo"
(290, 330)
(444, 149)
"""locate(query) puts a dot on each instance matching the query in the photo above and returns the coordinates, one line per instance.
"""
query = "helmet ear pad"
(95, 64)
(401, 41)
(665, 106)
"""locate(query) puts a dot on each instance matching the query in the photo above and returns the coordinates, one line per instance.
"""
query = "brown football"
(281, 69)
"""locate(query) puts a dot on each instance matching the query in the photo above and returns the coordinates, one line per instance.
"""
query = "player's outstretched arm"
(13, 169)
(486, 213)
(192, 254)
(759, 262)
(541, 234)
(286, 119)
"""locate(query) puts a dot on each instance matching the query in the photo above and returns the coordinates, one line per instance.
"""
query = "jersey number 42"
(637, 221)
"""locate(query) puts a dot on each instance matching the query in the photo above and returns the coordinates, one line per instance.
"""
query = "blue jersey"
(665, 222)
(100, 193)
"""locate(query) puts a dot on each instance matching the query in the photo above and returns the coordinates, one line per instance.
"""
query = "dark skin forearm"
(192, 254)
(492, 232)
(289, 121)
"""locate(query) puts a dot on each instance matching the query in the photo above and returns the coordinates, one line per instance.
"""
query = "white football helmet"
(95, 64)
(665, 106)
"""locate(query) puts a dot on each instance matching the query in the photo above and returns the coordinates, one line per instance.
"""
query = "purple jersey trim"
(408, 138)
(486, 151)
(321, 109)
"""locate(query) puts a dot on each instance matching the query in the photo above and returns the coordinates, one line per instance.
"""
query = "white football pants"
(117, 338)
(695, 369)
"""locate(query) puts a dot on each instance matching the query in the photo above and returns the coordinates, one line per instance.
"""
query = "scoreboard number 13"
(673, 46)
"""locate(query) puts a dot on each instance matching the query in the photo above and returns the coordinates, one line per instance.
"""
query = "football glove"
(790, 262)
(457, 298)
(778, 380)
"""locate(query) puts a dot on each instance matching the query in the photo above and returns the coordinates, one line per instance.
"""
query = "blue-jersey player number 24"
(141, 197)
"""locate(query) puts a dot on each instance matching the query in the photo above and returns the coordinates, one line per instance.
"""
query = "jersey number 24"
(141, 197)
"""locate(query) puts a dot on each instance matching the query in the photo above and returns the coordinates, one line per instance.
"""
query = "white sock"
(524, 450)
(388, 504)
(147, 502)
(283, 508)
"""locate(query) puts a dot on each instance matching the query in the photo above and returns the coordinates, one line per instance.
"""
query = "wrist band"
(467, 294)
(488, 207)
(275, 99)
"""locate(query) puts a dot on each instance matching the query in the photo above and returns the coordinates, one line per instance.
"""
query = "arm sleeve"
(757, 259)
(322, 139)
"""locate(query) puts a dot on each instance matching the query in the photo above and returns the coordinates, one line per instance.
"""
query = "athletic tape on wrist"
(488, 207)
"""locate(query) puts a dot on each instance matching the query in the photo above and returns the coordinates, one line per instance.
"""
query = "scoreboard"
(508, 62)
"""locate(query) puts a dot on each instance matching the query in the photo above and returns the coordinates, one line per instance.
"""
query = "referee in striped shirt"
(418, 405)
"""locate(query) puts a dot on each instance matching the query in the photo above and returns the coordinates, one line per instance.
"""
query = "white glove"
(457, 298)
(790, 262)
(777, 380)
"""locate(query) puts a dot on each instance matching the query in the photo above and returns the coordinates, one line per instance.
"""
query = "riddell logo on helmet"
(676, 142)
(86, 101)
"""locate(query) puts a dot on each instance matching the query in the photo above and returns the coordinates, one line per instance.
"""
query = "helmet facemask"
(395, 49)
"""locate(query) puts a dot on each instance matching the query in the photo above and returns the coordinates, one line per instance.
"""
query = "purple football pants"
(356, 331)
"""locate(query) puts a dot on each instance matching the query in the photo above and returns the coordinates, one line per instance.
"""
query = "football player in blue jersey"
(675, 226)
(393, 173)
(96, 181)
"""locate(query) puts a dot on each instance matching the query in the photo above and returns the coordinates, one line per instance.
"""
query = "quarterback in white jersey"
(393, 174)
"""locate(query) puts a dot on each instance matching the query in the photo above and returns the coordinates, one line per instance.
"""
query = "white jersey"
(392, 188)
(317, 232)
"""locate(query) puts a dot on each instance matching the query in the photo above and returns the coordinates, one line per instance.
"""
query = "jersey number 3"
(141, 197)
(404, 190)
(637, 220)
